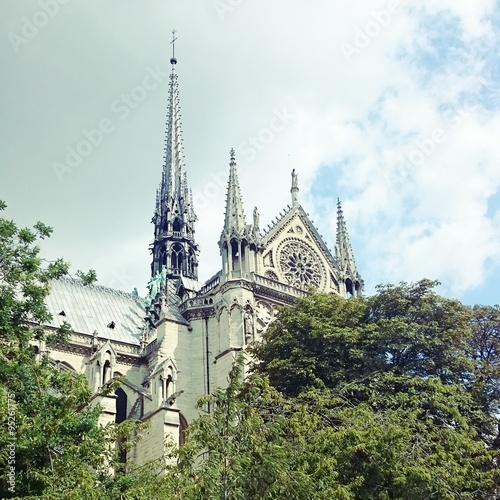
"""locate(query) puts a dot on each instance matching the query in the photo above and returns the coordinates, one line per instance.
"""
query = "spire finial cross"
(173, 60)
(232, 157)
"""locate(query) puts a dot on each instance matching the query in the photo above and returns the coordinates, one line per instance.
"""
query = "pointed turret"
(174, 247)
(239, 243)
(345, 256)
(235, 215)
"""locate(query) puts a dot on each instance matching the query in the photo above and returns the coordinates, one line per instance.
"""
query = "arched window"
(177, 258)
(244, 255)
(169, 386)
(177, 225)
(121, 406)
(162, 387)
(120, 416)
(169, 382)
(162, 257)
(106, 372)
(97, 376)
(235, 255)
(349, 287)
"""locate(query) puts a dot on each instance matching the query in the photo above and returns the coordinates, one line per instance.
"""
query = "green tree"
(88, 278)
(315, 343)
(350, 399)
(396, 387)
(232, 450)
(483, 348)
(49, 432)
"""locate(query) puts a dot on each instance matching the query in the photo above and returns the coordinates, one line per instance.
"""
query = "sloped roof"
(173, 303)
(93, 308)
(191, 284)
(284, 219)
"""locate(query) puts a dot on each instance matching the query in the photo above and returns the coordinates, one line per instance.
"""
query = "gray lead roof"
(93, 308)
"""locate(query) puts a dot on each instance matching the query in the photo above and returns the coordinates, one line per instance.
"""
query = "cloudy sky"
(392, 106)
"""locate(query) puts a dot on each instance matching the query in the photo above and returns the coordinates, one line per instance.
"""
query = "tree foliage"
(88, 278)
(394, 396)
(408, 377)
(388, 397)
(50, 439)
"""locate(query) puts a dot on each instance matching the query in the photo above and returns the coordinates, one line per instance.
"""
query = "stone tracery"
(300, 265)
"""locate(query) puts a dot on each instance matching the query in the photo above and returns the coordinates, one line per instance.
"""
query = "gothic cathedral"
(179, 342)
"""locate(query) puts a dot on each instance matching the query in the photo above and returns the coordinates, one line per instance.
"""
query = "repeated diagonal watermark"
(425, 147)
(31, 26)
(223, 7)
(211, 190)
(249, 150)
(122, 108)
(120, 279)
(278, 122)
(363, 36)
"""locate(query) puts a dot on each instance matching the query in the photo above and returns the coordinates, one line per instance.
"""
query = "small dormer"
(162, 381)
(102, 365)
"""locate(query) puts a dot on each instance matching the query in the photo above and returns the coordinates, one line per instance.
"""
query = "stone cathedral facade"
(179, 342)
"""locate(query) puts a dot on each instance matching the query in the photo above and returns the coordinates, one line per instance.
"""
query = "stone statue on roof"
(256, 218)
(295, 179)
(94, 342)
(163, 277)
(248, 326)
(154, 285)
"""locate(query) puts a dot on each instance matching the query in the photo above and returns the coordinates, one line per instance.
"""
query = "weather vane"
(173, 60)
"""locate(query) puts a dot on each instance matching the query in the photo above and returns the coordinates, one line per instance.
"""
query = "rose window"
(300, 265)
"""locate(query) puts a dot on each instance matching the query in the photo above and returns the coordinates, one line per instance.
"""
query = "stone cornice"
(262, 291)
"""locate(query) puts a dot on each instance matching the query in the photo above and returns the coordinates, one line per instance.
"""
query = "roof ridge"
(279, 218)
(101, 288)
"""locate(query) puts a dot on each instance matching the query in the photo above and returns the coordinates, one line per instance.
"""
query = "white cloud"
(354, 121)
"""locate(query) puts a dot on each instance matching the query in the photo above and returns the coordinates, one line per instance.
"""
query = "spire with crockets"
(345, 256)
(235, 216)
(240, 243)
(174, 247)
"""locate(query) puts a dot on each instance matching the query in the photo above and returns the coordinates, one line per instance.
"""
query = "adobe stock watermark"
(277, 124)
(120, 279)
(425, 147)
(94, 137)
(11, 446)
(222, 7)
(364, 36)
(31, 27)
(218, 181)
(211, 190)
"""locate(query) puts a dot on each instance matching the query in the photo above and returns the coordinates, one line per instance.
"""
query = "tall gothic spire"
(235, 216)
(174, 216)
(345, 255)
(174, 192)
